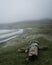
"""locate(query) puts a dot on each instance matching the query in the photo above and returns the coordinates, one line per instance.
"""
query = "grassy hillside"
(25, 24)
(10, 56)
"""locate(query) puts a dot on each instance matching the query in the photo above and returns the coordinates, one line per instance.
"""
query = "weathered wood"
(43, 47)
(21, 50)
(33, 51)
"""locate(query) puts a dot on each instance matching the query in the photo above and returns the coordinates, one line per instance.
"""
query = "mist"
(22, 10)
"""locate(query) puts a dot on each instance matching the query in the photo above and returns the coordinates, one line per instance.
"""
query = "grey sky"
(19, 10)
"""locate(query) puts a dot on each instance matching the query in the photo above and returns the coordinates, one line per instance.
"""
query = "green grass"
(10, 56)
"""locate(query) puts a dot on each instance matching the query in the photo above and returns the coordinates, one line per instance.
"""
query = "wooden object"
(43, 47)
(21, 50)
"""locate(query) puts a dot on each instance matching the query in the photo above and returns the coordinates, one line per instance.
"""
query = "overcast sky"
(19, 10)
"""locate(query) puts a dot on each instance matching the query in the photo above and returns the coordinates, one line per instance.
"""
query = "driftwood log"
(22, 50)
(33, 53)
